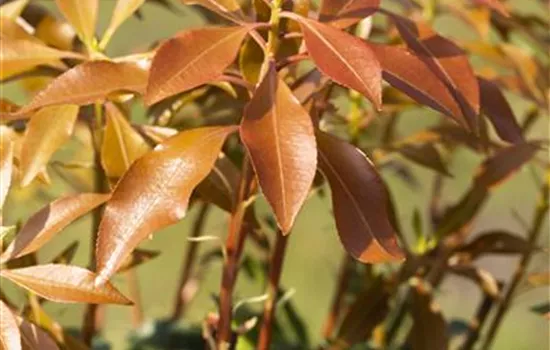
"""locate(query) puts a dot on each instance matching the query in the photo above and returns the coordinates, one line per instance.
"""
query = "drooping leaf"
(18, 56)
(344, 58)
(496, 107)
(278, 134)
(344, 13)
(407, 72)
(65, 284)
(90, 82)
(193, 58)
(154, 193)
(229, 9)
(122, 11)
(494, 242)
(122, 145)
(136, 258)
(10, 337)
(34, 337)
(82, 14)
(10, 30)
(48, 221)
(48, 129)
(6, 163)
(13, 9)
(359, 200)
(504, 163)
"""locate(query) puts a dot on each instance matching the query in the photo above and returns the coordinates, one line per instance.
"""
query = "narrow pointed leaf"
(47, 130)
(344, 58)
(122, 11)
(278, 134)
(425, 154)
(10, 337)
(34, 337)
(504, 163)
(82, 14)
(496, 107)
(122, 145)
(494, 242)
(6, 163)
(154, 193)
(90, 82)
(65, 284)
(359, 200)
(344, 13)
(229, 9)
(13, 9)
(49, 221)
(191, 59)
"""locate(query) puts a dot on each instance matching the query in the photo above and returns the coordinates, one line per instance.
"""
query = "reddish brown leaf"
(51, 219)
(122, 11)
(494, 242)
(229, 9)
(496, 107)
(193, 58)
(154, 193)
(34, 338)
(344, 58)
(480, 277)
(425, 154)
(65, 284)
(10, 337)
(407, 72)
(504, 163)
(359, 200)
(278, 134)
(90, 82)
(344, 13)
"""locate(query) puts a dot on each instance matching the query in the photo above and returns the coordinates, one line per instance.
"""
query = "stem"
(182, 297)
(233, 246)
(538, 219)
(477, 323)
(273, 287)
(341, 288)
(273, 35)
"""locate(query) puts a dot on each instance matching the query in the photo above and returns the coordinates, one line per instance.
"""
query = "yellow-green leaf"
(82, 14)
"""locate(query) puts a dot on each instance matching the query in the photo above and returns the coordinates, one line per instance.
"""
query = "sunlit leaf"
(82, 14)
(278, 134)
(122, 11)
(10, 337)
(10, 30)
(425, 154)
(229, 9)
(193, 58)
(496, 5)
(157, 134)
(88, 83)
(504, 163)
(359, 200)
(154, 193)
(344, 13)
(344, 58)
(6, 163)
(495, 242)
(48, 129)
(13, 9)
(48, 221)
(122, 145)
(496, 107)
(56, 32)
(35, 338)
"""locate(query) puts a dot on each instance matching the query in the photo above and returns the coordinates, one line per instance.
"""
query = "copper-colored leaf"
(48, 221)
(34, 337)
(360, 201)
(48, 129)
(496, 107)
(10, 337)
(229, 9)
(495, 242)
(6, 163)
(18, 56)
(154, 193)
(82, 14)
(344, 13)
(90, 82)
(122, 145)
(407, 72)
(65, 283)
(193, 58)
(278, 134)
(344, 58)
(446, 60)
(504, 163)
(122, 11)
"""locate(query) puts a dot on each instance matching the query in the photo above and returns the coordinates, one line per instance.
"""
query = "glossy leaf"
(122, 145)
(407, 72)
(504, 163)
(90, 82)
(154, 193)
(496, 107)
(495, 242)
(82, 14)
(193, 58)
(6, 163)
(65, 284)
(48, 129)
(122, 11)
(278, 134)
(10, 337)
(344, 58)
(35, 338)
(229, 9)
(359, 200)
(344, 13)
(50, 220)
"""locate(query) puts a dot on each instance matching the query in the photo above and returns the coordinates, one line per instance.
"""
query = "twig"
(273, 287)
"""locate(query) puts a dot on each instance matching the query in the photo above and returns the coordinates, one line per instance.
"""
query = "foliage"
(291, 98)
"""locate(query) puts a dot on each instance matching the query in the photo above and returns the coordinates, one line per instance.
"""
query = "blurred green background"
(314, 251)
